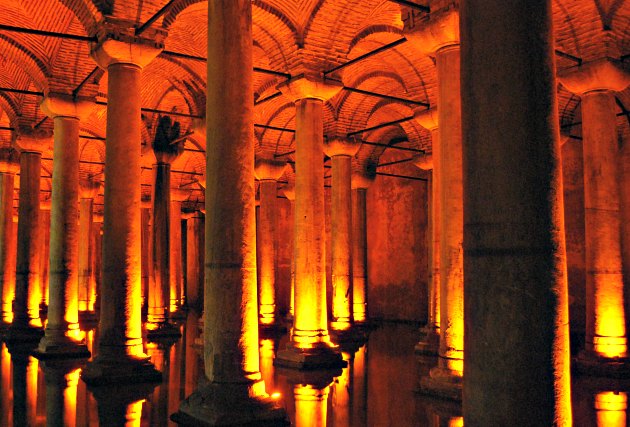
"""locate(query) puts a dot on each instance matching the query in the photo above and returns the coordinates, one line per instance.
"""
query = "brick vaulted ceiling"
(290, 36)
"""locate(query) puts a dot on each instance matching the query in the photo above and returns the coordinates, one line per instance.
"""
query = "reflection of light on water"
(70, 398)
(267, 354)
(310, 406)
(611, 409)
(341, 394)
(277, 395)
(133, 417)
(456, 422)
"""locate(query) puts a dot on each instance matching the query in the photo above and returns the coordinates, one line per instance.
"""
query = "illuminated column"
(430, 340)
(516, 299)
(8, 168)
(27, 324)
(342, 392)
(97, 258)
(146, 264)
(341, 152)
(160, 300)
(311, 405)
(177, 273)
(611, 409)
(268, 173)
(62, 379)
(234, 392)
(194, 260)
(44, 252)
(606, 337)
(62, 327)
(360, 184)
(120, 357)
(310, 345)
(439, 37)
(88, 191)
(289, 193)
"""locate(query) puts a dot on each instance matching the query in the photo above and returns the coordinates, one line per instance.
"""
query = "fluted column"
(235, 392)
(360, 183)
(606, 335)
(8, 169)
(439, 37)
(61, 336)
(27, 325)
(268, 172)
(310, 344)
(178, 297)
(430, 340)
(195, 233)
(88, 191)
(120, 356)
(341, 151)
(516, 299)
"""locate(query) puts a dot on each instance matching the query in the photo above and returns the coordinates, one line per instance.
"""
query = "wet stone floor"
(377, 388)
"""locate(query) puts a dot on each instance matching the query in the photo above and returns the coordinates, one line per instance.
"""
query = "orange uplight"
(310, 406)
(70, 398)
(276, 395)
(610, 326)
(611, 409)
(133, 416)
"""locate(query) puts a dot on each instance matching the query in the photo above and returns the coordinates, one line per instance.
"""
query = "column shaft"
(86, 282)
(341, 219)
(516, 288)
(7, 255)
(194, 262)
(267, 251)
(436, 220)
(359, 254)
(175, 271)
(147, 257)
(159, 299)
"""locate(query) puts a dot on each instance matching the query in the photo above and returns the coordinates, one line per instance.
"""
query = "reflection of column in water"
(159, 354)
(175, 390)
(611, 409)
(61, 379)
(5, 383)
(359, 387)
(310, 405)
(121, 406)
(24, 387)
(267, 352)
(192, 356)
(341, 393)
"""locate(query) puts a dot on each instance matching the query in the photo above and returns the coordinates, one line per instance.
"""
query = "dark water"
(376, 389)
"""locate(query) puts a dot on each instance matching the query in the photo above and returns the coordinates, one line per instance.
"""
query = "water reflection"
(376, 388)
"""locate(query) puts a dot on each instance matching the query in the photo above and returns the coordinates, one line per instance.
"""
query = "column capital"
(62, 105)
(289, 191)
(434, 31)
(362, 179)
(9, 160)
(89, 188)
(341, 146)
(266, 169)
(179, 195)
(31, 140)
(117, 43)
(603, 74)
(428, 119)
(423, 161)
(303, 87)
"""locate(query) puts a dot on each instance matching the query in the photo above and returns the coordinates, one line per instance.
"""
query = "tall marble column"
(268, 172)
(195, 231)
(289, 193)
(430, 340)
(606, 318)
(177, 295)
(88, 191)
(341, 151)
(27, 325)
(516, 300)
(97, 258)
(438, 36)
(310, 345)
(235, 393)
(45, 207)
(8, 168)
(360, 182)
(146, 252)
(120, 356)
(61, 336)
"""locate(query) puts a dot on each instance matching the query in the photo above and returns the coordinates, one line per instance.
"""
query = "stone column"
(161, 299)
(146, 253)
(268, 172)
(516, 302)
(289, 193)
(606, 335)
(44, 253)
(438, 35)
(341, 151)
(8, 168)
(120, 356)
(97, 258)
(178, 297)
(235, 392)
(88, 191)
(430, 340)
(360, 183)
(195, 260)
(27, 325)
(61, 336)
(310, 345)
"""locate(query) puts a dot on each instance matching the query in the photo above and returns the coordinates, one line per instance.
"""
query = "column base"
(442, 383)
(163, 330)
(590, 364)
(60, 348)
(120, 370)
(221, 404)
(429, 343)
(321, 357)
(23, 333)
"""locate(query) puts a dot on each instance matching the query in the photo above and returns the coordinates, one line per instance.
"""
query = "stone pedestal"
(310, 346)
(120, 356)
(8, 168)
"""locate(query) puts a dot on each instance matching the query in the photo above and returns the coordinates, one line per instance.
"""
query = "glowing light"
(276, 395)
(610, 330)
(310, 406)
(611, 409)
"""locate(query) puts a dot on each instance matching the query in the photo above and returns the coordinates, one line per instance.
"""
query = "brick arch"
(373, 30)
(27, 60)
(86, 12)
